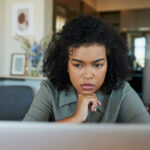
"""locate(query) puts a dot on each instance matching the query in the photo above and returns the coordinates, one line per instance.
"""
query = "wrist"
(71, 119)
(77, 118)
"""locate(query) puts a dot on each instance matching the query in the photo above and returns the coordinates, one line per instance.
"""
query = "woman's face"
(87, 66)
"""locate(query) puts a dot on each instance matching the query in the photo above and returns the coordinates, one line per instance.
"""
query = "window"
(60, 21)
(139, 51)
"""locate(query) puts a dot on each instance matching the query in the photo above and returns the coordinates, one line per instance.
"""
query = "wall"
(43, 18)
(2, 8)
(138, 20)
(104, 5)
(48, 17)
(134, 20)
(11, 46)
(146, 78)
(41, 11)
(113, 5)
(92, 3)
(87, 9)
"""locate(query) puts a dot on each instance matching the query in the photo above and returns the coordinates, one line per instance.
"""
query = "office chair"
(14, 102)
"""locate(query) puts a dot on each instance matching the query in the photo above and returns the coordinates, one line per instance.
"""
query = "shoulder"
(46, 85)
(125, 95)
(124, 89)
(132, 108)
(50, 92)
(47, 91)
(129, 95)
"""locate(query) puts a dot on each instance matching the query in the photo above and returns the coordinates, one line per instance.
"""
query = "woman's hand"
(86, 102)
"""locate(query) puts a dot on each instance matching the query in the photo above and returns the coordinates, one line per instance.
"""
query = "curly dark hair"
(87, 30)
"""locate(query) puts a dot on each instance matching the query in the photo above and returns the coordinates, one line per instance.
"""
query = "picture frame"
(18, 64)
(22, 18)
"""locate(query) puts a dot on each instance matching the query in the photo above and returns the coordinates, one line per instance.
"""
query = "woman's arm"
(85, 102)
(41, 107)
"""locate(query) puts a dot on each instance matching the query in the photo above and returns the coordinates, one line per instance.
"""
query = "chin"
(87, 92)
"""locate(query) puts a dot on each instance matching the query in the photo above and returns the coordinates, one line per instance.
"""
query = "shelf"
(21, 78)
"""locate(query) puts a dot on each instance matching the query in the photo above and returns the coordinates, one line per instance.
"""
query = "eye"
(98, 65)
(78, 65)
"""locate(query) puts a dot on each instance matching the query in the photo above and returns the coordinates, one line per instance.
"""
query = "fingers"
(94, 105)
(91, 100)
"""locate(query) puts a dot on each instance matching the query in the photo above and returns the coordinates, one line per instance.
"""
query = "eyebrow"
(97, 60)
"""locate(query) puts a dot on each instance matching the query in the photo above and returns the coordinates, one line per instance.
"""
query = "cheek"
(100, 76)
(73, 74)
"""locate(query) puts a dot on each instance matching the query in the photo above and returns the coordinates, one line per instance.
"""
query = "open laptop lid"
(52, 136)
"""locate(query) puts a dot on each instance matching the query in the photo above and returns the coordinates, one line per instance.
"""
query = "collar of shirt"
(71, 97)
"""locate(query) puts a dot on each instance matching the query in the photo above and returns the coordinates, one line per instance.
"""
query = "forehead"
(88, 51)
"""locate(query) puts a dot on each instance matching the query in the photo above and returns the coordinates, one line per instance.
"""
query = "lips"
(87, 86)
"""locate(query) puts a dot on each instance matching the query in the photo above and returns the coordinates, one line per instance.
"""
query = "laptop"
(53, 136)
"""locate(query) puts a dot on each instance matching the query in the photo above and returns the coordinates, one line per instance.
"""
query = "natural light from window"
(60, 21)
(139, 51)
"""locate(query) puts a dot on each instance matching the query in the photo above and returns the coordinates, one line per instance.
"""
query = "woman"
(87, 65)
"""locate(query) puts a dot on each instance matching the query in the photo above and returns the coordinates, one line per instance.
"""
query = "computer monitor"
(55, 136)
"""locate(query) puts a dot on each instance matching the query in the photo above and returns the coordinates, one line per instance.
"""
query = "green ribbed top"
(123, 105)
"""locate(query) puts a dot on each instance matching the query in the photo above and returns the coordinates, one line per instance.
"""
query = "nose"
(88, 73)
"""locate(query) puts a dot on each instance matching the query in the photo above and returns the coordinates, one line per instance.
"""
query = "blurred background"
(26, 27)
